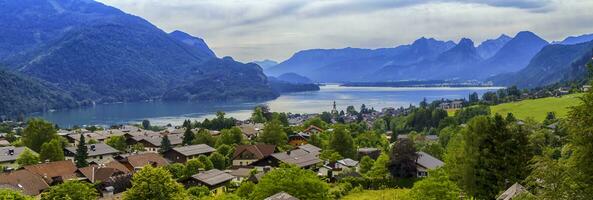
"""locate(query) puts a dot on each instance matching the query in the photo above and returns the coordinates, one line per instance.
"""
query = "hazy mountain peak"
(576, 39)
(466, 42)
(490, 47)
(265, 64)
(195, 42)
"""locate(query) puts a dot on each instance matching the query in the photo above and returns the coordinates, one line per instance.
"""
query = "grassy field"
(538, 108)
(387, 194)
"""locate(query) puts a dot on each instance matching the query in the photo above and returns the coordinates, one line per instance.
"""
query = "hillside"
(538, 108)
(24, 95)
(101, 53)
(554, 63)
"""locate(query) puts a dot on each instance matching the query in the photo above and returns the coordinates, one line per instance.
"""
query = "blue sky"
(275, 29)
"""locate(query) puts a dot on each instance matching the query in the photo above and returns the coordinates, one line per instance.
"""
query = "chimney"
(288, 153)
(93, 147)
(11, 152)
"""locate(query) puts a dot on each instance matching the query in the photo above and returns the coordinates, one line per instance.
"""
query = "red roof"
(259, 150)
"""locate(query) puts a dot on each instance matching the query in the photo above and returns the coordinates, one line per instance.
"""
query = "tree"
(9, 194)
(300, 183)
(273, 133)
(550, 118)
(580, 129)
(227, 151)
(188, 136)
(230, 137)
(341, 141)
(218, 160)
(117, 142)
(178, 170)
(192, 167)
(71, 190)
(81, 153)
(351, 110)
(258, 115)
(208, 165)
(316, 121)
(204, 137)
(245, 190)
(366, 163)
(27, 158)
(403, 159)
(198, 191)
(330, 156)
(145, 124)
(52, 151)
(474, 98)
(436, 186)
(379, 169)
(154, 184)
(165, 144)
(326, 117)
(37, 133)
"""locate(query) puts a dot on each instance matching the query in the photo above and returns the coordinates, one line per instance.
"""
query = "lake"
(162, 113)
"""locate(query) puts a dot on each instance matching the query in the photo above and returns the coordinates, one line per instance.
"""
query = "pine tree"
(165, 144)
(81, 153)
(188, 136)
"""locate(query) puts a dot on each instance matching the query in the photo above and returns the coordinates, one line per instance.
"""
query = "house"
(251, 130)
(152, 143)
(97, 153)
(241, 174)
(54, 172)
(184, 153)
(24, 181)
(312, 149)
(331, 170)
(214, 179)
(135, 162)
(451, 105)
(313, 130)
(4, 143)
(281, 196)
(298, 157)
(512, 192)
(9, 154)
(298, 139)
(374, 153)
(112, 177)
(586, 88)
(426, 162)
(246, 154)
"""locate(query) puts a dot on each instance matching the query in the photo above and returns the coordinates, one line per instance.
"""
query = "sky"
(251, 30)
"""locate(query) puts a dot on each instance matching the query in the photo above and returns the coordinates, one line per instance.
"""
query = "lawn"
(387, 194)
(538, 108)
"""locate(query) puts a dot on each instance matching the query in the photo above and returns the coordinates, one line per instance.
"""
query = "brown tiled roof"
(281, 196)
(141, 160)
(64, 169)
(259, 150)
(313, 127)
(28, 182)
(101, 173)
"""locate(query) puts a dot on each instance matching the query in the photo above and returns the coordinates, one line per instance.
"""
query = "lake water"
(162, 113)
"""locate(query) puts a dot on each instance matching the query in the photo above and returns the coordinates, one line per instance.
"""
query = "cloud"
(256, 30)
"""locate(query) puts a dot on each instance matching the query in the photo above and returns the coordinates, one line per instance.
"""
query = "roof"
(4, 143)
(348, 162)
(297, 157)
(281, 196)
(101, 173)
(427, 161)
(6, 157)
(64, 169)
(512, 192)
(241, 172)
(213, 177)
(313, 127)
(28, 182)
(259, 150)
(155, 140)
(250, 129)
(99, 149)
(367, 150)
(310, 148)
(194, 149)
(141, 160)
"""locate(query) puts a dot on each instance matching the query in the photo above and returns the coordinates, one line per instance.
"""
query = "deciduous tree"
(52, 151)
(273, 133)
(300, 183)
(154, 184)
(403, 159)
(27, 157)
(70, 190)
(37, 133)
(341, 141)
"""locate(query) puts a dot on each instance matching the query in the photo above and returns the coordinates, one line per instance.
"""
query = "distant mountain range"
(431, 59)
(93, 52)
(265, 64)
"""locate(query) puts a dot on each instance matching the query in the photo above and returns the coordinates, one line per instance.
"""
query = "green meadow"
(538, 108)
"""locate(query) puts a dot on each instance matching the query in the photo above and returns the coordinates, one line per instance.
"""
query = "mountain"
(199, 44)
(514, 55)
(458, 62)
(100, 53)
(554, 63)
(577, 39)
(265, 64)
(294, 78)
(490, 47)
(24, 95)
(353, 64)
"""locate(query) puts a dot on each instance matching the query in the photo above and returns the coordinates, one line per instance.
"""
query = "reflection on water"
(161, 113)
